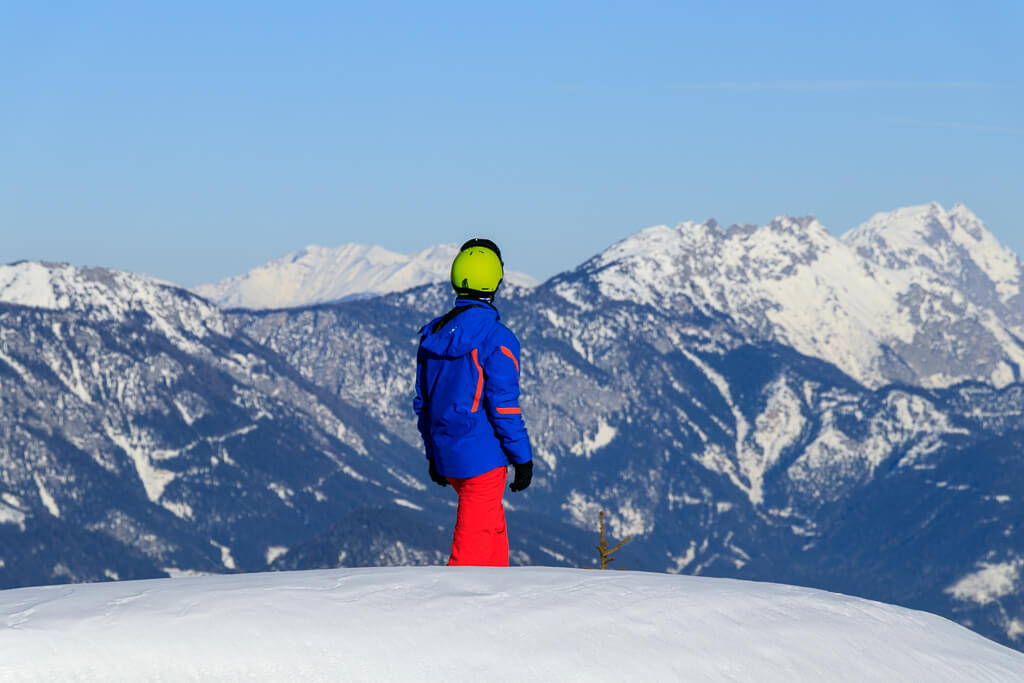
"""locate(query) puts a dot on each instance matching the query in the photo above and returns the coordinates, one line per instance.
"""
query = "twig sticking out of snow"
(602, 547)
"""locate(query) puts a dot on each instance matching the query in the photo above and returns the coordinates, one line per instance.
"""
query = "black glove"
(436, 476)
(524, 474)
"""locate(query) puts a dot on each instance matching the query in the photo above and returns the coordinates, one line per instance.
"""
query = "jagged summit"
(954, 245)
(897, 299)
(698, 259)
(104, 294)
(320, 274)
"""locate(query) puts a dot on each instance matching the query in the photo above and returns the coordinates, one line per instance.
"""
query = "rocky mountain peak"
(879, 303)
(104, 294)
(929, 242)
(665, 259)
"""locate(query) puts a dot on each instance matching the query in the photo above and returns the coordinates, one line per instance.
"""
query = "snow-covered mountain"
(479, 624)
(145, 429)
(918, 295)
(102, 295)
(956, 287)
(318, 274)
(141, 434)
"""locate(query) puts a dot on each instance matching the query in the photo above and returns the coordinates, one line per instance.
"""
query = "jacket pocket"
(455, 423)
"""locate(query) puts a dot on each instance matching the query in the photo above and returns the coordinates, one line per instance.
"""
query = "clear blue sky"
(195, 140)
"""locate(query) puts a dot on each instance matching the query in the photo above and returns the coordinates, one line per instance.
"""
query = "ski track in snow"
(478, 624)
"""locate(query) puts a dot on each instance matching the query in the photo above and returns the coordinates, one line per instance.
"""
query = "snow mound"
(478, 624)
(321, 274)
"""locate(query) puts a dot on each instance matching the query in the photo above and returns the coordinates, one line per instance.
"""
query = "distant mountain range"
(320, 274)
(918, 295)
(763, 402)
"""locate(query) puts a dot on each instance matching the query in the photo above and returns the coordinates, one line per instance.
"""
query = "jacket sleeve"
(501, 391)
(419, 405)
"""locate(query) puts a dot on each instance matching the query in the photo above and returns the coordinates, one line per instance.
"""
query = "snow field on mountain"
(991, 582)
(871, 302)
(913, 232)
(106, 295)
(320, 274)
(27, 284)
(814, 291)
(478, 624)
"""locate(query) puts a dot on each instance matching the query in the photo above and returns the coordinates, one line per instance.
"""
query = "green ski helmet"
(477, 271)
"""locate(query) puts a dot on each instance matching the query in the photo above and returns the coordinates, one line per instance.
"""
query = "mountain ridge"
(317, 274)
(839, 299)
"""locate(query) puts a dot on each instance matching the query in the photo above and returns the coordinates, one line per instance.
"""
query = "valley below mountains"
(763, 402)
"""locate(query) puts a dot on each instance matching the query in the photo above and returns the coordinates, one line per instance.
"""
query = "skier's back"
(467, 403)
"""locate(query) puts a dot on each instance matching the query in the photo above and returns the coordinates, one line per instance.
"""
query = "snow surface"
(478, 624)
(320, 274)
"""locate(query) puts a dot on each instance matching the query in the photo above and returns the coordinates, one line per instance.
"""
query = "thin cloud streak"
(959, 126)
(831, 85)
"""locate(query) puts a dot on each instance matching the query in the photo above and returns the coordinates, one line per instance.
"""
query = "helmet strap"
(487, 297)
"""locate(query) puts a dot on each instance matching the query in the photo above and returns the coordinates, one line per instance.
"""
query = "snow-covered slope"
(318, 274)
(919, 295)
(954, 245)
(957, 288)
(478, 624)
(99, 294)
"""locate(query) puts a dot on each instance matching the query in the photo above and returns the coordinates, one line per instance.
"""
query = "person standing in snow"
(467, 405)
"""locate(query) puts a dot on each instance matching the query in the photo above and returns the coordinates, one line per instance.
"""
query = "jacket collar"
(460, 302)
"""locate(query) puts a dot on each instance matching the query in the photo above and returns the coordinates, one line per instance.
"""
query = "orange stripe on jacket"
(505, 350)
(509, 411)
(479, 381)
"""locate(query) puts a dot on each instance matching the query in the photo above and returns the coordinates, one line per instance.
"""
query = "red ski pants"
(480, 537)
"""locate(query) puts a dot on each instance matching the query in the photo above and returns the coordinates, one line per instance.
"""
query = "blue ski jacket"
(467, 392)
